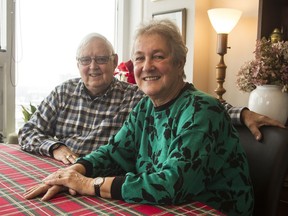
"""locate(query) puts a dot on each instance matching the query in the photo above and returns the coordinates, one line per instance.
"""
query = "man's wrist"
(54, 147)
(242, 115)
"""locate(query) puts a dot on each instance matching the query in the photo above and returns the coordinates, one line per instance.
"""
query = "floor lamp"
(223, 21)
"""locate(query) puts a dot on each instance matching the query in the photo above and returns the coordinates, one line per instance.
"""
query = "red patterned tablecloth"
(20, 170)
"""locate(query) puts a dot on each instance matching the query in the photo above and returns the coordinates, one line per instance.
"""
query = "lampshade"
(224, 20)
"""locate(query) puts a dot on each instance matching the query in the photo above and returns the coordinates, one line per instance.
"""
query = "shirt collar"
(85, 92)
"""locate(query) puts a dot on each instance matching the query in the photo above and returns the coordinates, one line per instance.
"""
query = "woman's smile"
(151, 78)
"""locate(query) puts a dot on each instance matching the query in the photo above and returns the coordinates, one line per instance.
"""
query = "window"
(47, 35)
(3, 25)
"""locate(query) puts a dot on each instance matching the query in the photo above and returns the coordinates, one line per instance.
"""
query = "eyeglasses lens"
(97, 59)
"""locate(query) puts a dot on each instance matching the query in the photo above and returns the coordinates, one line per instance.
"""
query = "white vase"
(269, 100)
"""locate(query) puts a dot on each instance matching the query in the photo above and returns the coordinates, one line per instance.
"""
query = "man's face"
(98, 74)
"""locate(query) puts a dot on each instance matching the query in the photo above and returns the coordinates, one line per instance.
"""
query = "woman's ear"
(181, 64)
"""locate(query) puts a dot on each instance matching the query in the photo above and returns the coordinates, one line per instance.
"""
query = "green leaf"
(28, 112)
(32, 108)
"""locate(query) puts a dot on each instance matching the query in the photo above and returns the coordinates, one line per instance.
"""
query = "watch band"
(97, 190)
(98, 182)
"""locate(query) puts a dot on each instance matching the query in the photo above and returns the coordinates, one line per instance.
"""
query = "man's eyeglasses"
(87, 60)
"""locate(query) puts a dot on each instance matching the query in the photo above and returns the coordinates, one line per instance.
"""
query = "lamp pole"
(221, 67)
(223, 20)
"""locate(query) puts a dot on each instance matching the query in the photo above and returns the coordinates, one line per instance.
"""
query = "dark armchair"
(268, 161)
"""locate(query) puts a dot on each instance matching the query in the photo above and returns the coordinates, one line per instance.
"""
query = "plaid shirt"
(71, 117)
(235, 113)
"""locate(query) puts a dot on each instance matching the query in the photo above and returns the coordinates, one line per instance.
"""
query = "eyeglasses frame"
(95, 59)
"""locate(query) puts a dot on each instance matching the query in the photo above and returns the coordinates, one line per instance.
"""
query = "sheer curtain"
(47, 35)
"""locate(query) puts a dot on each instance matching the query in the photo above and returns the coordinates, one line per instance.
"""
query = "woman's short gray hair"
(169, 30)
(90, 37)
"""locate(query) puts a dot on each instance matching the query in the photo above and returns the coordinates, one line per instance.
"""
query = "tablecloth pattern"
(20, 170)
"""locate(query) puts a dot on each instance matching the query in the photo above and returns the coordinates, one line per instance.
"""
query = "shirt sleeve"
(234, 113)
(38, 134)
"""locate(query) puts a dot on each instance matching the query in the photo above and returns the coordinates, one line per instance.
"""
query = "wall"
(201, 46)
(242, 42)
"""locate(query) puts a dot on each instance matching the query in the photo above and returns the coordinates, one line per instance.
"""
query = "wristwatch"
(98, 182)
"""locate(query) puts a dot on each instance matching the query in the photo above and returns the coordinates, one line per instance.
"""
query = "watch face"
(98, 181)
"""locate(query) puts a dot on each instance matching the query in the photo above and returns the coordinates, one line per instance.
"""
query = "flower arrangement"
(270, 66)
(125, 72)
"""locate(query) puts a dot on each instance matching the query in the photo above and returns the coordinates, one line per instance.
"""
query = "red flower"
(128, 67)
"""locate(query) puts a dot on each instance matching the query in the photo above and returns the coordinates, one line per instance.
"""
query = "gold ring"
(68, 156)
(59, 176)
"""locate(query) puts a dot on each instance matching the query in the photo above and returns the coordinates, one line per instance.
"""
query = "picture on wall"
(178, 16)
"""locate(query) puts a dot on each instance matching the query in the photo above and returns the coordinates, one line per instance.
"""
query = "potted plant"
(28, 112)
(265, 76)
(270, 66)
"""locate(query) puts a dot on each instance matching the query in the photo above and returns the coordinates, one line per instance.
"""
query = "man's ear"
(115, 60)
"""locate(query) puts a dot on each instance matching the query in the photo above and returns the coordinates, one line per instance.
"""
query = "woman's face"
(97, 77)
(155, 73)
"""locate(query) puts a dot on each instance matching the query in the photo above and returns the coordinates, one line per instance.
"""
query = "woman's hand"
(73, 180)
(50, 190)
(47, 190)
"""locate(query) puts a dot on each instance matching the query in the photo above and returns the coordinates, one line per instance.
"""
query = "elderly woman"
(176, 146)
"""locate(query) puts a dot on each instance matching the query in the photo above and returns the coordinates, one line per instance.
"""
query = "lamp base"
(220, 78)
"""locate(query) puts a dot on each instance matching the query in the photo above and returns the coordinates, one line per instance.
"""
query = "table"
(20, 170)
